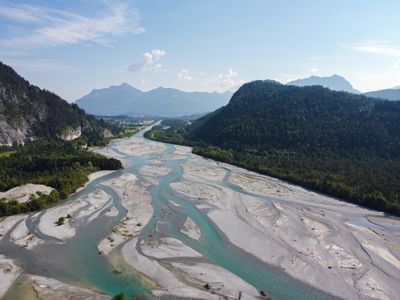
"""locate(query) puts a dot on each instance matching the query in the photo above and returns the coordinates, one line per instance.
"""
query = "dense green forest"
(58, 164)
(337, 143)
(171, 131)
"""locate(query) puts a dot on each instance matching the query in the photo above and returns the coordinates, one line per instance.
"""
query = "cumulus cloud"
(314, 70)
(151, 61)
(54, 27)
(225, 81)
(184, 75)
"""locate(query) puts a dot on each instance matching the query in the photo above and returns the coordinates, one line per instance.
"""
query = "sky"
(72, 47)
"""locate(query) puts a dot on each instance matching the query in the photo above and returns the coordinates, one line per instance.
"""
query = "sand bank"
(94, 176)
(24, 192)
(82, 210)
(9, 222)
(185, 278)
(311, 237)
(191, 229)
(9, 271)
(137, 201)
(49, 289)
(167, 248)
(153, 171)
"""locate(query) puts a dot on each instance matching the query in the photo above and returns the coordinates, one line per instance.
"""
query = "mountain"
(268, 115)
(334, 82)
(338, 143)
(28, 113)
(389, 94)
(127, 100)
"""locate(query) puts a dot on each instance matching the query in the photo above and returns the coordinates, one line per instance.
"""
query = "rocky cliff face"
(106, 133)
(28, 113)
(13, 127)
(71, 134)
(10, 134)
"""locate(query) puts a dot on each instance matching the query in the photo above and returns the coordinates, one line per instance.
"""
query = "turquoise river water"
(78, 261)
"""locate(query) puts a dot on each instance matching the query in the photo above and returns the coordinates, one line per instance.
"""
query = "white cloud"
(382, 48)
(184, 75)
(25, 13)
(378, 47)
(150, 61)
(53, 27)
(314, 70)
(225, 81)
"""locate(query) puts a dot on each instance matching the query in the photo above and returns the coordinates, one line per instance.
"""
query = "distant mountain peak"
(125, 99)
(387, 94)
(334, 82)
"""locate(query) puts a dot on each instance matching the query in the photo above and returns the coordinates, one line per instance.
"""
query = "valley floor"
(163, 217)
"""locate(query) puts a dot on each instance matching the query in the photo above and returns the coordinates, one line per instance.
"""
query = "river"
(78, 262)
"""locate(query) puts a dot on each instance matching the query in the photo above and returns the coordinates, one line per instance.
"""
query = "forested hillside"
(264, 116)
(44, 140)
(58, 164)
(28, 113)
(338, 143)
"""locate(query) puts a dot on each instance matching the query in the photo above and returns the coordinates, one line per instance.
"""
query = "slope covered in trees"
(58, 164)
(47, 135)
(338, 143)
(263, 116)
(28, 113)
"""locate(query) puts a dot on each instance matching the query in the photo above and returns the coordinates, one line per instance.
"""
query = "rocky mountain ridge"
(28, 113)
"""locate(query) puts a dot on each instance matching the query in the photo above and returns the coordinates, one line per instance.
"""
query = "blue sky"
(72, 47)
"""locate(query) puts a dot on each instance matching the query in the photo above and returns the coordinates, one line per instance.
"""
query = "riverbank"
(350, 176)
(324, 242)
(75, 214)
(188, 274)
(9, 272)
(177, 224)
(33, 287)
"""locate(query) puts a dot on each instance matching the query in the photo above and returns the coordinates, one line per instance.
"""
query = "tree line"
(61, 165)
(338, 143)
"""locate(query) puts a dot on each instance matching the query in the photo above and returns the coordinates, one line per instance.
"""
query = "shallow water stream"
(78, 262)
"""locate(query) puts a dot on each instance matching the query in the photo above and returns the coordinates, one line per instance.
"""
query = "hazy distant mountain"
(389, 94)
(125, 99)
(334, 82)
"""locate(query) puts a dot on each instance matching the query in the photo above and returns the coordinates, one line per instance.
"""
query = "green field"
(132, 129)
(7, 153)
